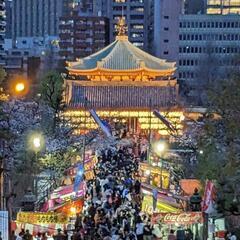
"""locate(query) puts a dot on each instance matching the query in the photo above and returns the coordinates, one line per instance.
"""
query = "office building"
(31, 56)
(8, 7)
(166, 28)
(2, 31)
(36, 18)
(194, 7)
(84, 7)
(222, 6)
(82, 36)
(208, 48)
(135, 14)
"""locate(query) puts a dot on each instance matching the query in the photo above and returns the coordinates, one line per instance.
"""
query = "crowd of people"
(113, 200)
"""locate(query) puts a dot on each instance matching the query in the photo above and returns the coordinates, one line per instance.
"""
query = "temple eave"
(161, 83)
(129, 72)
(174, 108)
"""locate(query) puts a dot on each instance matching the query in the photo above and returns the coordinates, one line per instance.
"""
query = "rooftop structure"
(123, 83)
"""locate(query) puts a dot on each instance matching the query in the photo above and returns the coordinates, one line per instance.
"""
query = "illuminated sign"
(41, 218)
(185, 218)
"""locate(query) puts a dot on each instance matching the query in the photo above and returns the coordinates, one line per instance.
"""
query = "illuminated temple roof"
(121, 55)
(121, 76)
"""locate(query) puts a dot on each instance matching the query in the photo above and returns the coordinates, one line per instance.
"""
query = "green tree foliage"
(2, 75)
(3, 97)
(58, 162)
(51, 90)
(220, 142)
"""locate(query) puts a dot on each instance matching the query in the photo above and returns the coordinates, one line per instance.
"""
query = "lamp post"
(19, 87)
(36, 144)
(160, 148)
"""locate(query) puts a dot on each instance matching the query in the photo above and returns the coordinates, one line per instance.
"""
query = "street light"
(36, 142)
(159, 148)
(19, 87)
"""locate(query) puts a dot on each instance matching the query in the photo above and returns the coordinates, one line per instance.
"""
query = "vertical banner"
(208, 199)
(78, 178)
(164, 121)
(100, 123)
(4, 224)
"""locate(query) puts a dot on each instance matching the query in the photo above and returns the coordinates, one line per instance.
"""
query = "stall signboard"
(147, 206)
(41, 218)
(185, 218)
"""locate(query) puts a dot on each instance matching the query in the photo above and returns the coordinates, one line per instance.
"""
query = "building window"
(137, 26)
(138, 44)
(166, 29)
(165, 52)
(166, 17)
(137, 9)
(136, 17)
(165, 40)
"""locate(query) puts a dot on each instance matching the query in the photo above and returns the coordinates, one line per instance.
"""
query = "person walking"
(20, 236)
(27, 236)
(139, 228)
(171, 235)
(148, 231)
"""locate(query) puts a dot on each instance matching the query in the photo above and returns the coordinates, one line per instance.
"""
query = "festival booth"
(40, 222)
(184, 224)
(154, 175)
(63, 203)
(164, 204)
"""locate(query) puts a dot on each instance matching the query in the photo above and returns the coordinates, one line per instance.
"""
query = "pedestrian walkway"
(113, 199)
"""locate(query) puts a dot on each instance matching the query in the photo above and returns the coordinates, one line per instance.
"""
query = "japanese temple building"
(122, 83)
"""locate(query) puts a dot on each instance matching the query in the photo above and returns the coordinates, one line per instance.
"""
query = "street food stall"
(184, 224)
(154, 175)
(163, 205)
(40, 222)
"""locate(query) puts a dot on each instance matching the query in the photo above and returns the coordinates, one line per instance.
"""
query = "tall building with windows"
(2, 31)
(194, 6)
(82, 36)
(222, 6)
(36, 18)
(135, 14)
(166, 28)
(209, 46)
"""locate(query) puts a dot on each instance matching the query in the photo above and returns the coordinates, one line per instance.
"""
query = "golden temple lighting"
(145, 119)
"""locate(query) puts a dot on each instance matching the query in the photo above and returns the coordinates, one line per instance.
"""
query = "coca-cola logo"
(181, 218)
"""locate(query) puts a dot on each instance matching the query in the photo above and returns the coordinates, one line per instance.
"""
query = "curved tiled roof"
(121, 55)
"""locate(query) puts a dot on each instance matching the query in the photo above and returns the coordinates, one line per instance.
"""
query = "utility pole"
(150, 132)
(85, 128)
